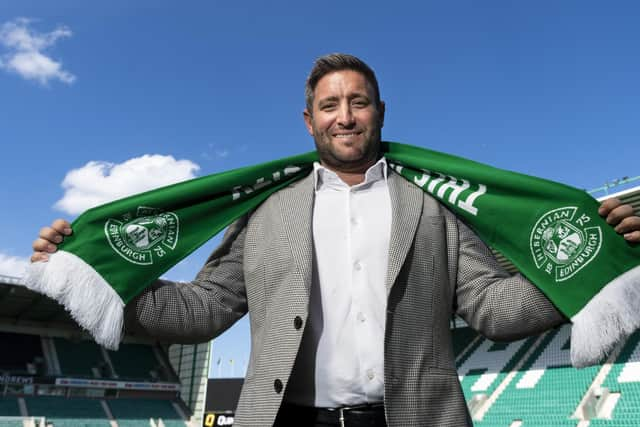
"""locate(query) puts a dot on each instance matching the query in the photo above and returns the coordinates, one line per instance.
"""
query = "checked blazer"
(437, 267)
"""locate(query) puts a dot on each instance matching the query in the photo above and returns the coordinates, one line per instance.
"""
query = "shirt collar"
(323, 177)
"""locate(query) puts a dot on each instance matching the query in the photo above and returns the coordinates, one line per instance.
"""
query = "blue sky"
(135, 94)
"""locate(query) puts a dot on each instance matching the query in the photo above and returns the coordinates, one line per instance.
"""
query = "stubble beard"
(333, 159)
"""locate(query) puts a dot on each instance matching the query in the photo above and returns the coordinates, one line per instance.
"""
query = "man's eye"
(328, 107)
(360, 104)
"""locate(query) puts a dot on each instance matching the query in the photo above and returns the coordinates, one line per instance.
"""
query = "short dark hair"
(337, 62)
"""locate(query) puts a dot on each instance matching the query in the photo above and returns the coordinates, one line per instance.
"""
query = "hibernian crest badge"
(562, 244)
(141, 237)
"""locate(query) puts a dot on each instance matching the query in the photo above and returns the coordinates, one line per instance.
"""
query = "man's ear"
(381, 112)
(307, 120)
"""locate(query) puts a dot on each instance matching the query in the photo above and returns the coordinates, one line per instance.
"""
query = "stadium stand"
(54, 375)
(547, 384)
(9, 406)
(81, 358)
(25, 354)
(462, 338)
(134, 361)
(127, 412)
(63, 412)
(623, 383)
(539, 386)
(484, 370)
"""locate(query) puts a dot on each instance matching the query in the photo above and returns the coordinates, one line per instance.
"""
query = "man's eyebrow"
(328, 99)
(350, 97)
(359, 95)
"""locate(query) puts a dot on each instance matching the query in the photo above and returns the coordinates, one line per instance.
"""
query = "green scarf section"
(551, 232)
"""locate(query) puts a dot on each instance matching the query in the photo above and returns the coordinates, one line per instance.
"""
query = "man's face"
(345, 121)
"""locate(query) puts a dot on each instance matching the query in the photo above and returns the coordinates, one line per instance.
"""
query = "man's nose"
(345, 116)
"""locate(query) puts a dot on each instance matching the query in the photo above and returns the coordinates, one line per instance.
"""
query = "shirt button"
(361, 317)
(370, 374)
(277, 385)
(297, 322)
(357, 265)
(354, 221)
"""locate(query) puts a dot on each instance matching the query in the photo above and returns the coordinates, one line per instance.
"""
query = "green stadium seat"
(9, 406)
(462, 337)
(67, 412)
(134, 412)
(483, 370)
(624, 378)
(78, 358)
(547, 390)
(134, 361)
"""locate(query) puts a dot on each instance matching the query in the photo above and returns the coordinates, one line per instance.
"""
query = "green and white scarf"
(551, 232)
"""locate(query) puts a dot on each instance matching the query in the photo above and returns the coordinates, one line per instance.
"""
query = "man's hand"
(49, 238)
(622, 218)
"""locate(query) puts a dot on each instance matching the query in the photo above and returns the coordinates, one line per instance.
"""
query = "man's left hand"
(621, 217)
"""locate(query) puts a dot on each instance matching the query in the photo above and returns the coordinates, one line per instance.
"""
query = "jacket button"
(297, 322)
(277, 386)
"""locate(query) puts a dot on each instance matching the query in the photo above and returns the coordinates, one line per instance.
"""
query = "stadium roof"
(24, 309)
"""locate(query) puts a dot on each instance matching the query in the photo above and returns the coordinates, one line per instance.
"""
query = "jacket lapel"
(406, 208)
(296, 204)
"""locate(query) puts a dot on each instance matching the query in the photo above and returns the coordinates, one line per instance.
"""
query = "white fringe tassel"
(83, 292)
(608, 318)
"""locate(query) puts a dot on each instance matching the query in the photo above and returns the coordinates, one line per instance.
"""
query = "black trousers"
(303, 416)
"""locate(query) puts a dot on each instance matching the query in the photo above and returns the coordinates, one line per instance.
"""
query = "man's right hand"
(49, 239)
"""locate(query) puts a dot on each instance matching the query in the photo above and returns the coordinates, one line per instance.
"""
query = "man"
(351, 276)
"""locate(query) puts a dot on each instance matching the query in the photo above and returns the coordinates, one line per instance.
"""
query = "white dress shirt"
(341, 359)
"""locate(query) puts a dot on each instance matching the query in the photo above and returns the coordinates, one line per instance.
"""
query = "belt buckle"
(342, 409)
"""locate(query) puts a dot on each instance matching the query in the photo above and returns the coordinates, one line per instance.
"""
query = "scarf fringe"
(90, 300)
(606, 320)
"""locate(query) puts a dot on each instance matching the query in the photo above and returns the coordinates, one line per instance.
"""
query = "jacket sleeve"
(196, 311)
(495, 303)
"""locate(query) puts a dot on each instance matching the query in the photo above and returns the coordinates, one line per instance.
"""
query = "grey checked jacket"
(437, 267)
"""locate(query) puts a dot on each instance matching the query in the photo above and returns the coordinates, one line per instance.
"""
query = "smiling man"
(351, 276)
(345, 116)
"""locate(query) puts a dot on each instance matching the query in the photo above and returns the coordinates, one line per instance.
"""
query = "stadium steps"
(591, 403)
(489, 364)
(127, 412)
(519, 360)
(50, 356)
(547, 391)
(624, 378)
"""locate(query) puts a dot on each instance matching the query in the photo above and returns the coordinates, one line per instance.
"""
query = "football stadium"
(53, 374)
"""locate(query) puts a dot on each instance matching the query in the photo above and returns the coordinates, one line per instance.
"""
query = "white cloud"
(25, 52)
(100, 182)
(12, 265)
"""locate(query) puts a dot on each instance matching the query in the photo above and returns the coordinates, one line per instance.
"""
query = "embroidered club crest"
(562, 244)
(141, 238)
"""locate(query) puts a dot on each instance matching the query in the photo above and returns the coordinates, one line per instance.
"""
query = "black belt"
(367, 415)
